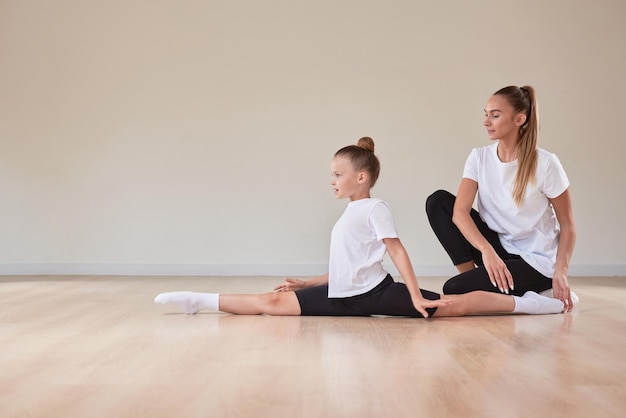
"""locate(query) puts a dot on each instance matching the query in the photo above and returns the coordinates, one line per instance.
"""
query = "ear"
(362, 178)
(520, 119)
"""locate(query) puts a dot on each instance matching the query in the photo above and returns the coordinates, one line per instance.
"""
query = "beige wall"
(195, 136)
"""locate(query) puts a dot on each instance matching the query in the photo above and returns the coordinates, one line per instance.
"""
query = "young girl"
(523, 235)
(357, 284)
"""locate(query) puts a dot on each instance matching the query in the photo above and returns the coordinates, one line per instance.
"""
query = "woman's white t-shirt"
(357, 248)
(531, 230)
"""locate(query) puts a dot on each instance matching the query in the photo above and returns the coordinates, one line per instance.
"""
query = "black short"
(388, 298)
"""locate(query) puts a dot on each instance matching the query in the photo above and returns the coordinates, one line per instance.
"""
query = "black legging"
(439, 207)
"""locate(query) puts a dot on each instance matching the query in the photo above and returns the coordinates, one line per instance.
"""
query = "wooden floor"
(99, 347)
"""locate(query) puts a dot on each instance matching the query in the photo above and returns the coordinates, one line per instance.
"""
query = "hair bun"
(366, 143)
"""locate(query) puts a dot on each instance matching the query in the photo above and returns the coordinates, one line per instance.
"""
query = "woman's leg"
(525, 278)
(275, 303)
(476, 302)
(465, 267)
(439, 209)
(487, 302)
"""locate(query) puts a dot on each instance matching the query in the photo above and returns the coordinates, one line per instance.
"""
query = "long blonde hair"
(523, 99)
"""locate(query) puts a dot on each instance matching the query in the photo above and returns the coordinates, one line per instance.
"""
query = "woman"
(523, 235)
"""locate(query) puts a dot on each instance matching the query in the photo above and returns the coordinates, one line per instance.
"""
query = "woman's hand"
(561, 290)
(499, 274)
(290, 285)
(421, 304)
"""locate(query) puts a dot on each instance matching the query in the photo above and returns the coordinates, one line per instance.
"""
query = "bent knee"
(454, 287)
(438, 200)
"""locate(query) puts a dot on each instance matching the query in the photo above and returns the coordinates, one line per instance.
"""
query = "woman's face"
(500, 119)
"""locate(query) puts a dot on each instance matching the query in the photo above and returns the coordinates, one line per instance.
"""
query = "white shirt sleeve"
(471, 166)
(556, 181)
(381, 220)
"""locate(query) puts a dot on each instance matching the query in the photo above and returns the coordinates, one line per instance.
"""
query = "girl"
(356, 284)
(523, 235)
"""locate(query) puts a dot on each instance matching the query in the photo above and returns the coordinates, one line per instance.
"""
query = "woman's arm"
(499, 274)
(401, 260)
(296, 284)
(562, 205)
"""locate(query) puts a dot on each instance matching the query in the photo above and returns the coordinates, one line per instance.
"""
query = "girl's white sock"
(535, 304)
(191, 302)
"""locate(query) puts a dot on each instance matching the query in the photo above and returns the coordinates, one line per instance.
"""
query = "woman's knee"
(454, 287)
(438, 201)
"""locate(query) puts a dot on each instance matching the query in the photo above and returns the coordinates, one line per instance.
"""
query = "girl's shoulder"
(369, 202)
(373, 203)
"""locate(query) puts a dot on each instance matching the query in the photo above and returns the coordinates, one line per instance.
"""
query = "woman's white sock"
(535, 304)
(191, 302)
(548, 293)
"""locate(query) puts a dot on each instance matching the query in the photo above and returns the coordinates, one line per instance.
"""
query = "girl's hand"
(561, 290)
(499, 274)
(290, 285)
(421, 304)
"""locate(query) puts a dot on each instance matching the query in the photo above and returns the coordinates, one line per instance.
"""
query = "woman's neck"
(507, 151)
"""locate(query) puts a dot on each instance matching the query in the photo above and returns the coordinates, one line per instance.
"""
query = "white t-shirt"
(357, 248)
(532, 230)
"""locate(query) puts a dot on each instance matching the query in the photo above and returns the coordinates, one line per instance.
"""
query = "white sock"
(535, 304)
(548, 293)
(191, 302)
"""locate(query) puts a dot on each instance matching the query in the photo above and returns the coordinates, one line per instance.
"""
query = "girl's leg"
(393, 298)
(487, 302)
(275, 303)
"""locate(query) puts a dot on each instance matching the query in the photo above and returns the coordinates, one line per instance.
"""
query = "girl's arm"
(562, 205)
(401, 260)
(499, 274)
(296, 284)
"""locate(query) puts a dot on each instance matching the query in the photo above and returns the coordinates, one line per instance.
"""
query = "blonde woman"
(523, 234)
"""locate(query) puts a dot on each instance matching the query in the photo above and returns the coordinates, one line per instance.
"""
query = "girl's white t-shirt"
(357, 248)
(532, 230)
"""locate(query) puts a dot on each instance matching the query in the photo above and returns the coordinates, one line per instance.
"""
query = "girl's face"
(500, 119)
(346, 181)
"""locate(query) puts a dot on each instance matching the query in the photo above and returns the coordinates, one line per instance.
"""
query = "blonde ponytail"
(523, 99)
